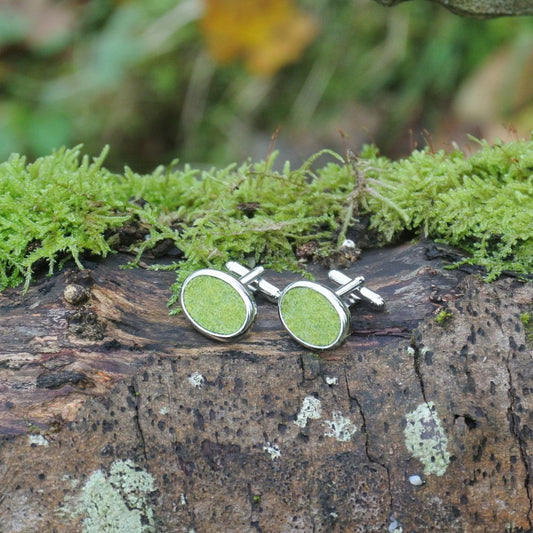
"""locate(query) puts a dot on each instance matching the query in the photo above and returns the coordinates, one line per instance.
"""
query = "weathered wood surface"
(480, 8)
(115, 416)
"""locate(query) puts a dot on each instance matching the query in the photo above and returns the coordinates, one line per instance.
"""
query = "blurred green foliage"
(137, 75)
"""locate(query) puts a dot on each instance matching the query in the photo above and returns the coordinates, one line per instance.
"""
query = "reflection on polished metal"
(268, 290)
(219, 305)
(360, 292)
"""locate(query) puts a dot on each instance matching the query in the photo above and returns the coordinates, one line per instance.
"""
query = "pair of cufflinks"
(221, 306)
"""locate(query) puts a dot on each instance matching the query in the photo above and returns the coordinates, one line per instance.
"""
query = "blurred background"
(214, 81)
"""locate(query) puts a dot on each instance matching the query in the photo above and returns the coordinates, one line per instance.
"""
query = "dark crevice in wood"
(368, 453)
(134, 390)
(417, 367)
(514, 426)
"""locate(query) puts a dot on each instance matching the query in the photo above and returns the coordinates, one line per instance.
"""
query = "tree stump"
(115, 416)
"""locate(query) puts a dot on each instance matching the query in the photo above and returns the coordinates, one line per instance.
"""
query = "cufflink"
(220, 305)
(318, 317)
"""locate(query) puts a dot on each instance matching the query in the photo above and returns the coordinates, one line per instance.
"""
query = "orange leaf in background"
(267, 34)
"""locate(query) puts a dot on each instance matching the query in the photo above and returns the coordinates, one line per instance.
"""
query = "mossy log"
(480, 8)
(115, 416)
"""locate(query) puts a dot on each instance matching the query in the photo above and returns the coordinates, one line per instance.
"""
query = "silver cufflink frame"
(313, 314)
(206, 322)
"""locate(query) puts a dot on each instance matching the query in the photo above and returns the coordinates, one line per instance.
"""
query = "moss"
(443, 317)
(310, 316)
(482, 204)
(215, 305)
(527, 321)
(64, 205)
(54, 208)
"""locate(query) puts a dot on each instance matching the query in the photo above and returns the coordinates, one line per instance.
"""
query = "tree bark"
(115, 416)
(480, 8)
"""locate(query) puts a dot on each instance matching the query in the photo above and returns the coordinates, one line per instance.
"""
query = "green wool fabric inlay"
(310, 317)
(214, 305)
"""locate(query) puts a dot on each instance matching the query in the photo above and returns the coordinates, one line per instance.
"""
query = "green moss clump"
(63, 205)
(54, 208)
(443, 317)
(310, 317)
(251, 214)
(482, 204)
(527, 320)
(214, 305)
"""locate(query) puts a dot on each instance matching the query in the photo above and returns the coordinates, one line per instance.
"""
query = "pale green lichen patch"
(426, 440)
(196, 380)
(37, 440)
(311, 409)
(215, 305)
(340, 427)
(118, 501)
(331, 380)
(310, 317)
(272, 450)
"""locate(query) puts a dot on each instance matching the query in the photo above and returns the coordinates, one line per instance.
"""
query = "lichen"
(38, 440)
(118, 501)
(340, 427)
(311, 409)
(272, 450)
(331, 380)
(196, 380)
(426, 440)
(310, 317)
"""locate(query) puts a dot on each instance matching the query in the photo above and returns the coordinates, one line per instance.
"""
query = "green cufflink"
(221, 305)
(318, 317)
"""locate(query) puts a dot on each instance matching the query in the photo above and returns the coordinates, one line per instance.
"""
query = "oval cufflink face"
(217, 304)
(313, 315)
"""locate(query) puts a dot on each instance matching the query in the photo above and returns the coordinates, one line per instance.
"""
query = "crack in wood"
(134, 390)
(514, 422)
(416, 365)
(364, 431)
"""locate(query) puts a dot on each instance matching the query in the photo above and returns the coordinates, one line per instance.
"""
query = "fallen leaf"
(265, 34)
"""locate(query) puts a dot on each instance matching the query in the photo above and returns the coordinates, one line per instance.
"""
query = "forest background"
(213, 82)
